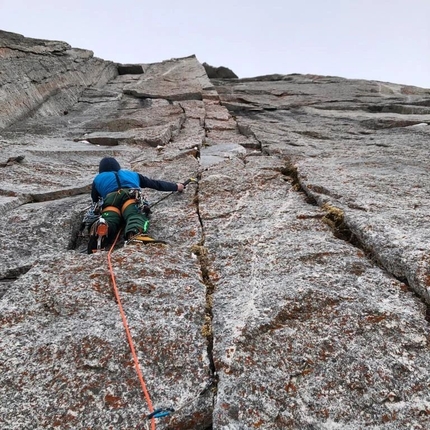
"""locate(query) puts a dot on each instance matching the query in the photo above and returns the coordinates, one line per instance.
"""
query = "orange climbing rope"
(127, 331)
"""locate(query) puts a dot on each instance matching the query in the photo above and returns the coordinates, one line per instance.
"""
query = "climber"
(118, 192)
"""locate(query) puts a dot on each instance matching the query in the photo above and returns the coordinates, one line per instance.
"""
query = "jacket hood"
(109, 164)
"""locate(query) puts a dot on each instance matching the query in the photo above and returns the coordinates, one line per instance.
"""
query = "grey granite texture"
(293, 292)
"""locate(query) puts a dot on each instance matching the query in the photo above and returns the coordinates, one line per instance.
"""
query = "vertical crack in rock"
(201, 252)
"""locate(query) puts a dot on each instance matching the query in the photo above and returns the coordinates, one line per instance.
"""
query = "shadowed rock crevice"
(79, 235)
(383, 123)
(417, 108)
(335, 218)
(11, 160)
(201, 252)
(59, 194)
(290, 171)
(246, 131)
(10, 276)
(130, 69)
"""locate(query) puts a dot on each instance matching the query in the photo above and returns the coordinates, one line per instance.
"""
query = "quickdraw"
(139, 199)
(164, 412)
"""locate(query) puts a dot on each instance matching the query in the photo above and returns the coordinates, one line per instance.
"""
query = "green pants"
(135, 221)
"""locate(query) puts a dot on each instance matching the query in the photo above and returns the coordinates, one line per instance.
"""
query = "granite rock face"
(294, 289)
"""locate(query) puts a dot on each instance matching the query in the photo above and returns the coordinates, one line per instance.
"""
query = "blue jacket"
(106, 182)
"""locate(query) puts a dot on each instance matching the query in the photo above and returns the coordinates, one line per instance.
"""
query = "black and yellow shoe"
(143, 238)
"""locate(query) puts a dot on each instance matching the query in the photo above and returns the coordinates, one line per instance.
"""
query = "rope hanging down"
(127, 331)
(158, 413)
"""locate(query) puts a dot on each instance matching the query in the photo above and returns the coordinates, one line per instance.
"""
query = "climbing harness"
(139, 199)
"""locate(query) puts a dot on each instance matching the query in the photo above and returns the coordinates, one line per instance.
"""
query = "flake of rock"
(177, 79)
(152, 136)
(189, 140)
(220, 135)
(18, 42)
(194, 109)
(95, 95)
(215, 111)
(211, 95)
(216, 153)
(219, 72)
(50, 165)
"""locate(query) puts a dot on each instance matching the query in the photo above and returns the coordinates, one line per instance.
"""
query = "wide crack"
(334, 218)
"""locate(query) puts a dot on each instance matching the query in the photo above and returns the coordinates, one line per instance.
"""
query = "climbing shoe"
(143, 238)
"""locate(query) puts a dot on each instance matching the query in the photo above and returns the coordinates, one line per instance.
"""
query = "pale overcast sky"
(386, 40)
